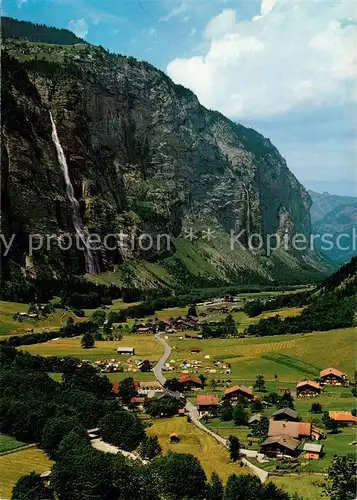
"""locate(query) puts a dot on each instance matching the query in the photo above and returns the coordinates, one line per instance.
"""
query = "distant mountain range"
(336, 215)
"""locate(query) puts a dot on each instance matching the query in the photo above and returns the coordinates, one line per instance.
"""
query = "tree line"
(328, 312)
(298, 299)
(24, 30)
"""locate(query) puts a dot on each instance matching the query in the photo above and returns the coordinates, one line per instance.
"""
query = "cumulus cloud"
(79, 27)
(221, 24)
(293, 55)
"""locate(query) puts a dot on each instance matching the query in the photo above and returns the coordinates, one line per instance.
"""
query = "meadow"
(8, 443)
(17, 464)
(145, 347)
(283, 359)
(213, 456)
(10, 326)
(309, 487)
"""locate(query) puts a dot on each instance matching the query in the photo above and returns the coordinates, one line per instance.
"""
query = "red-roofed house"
(116, 386)
(207, 404)
(137, 401)
(332, 376)
(308, 388)
(189, 383)
(343, 418)
(144, 329)
(238, 392)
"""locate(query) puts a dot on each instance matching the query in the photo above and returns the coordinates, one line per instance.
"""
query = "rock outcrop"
(144, 157)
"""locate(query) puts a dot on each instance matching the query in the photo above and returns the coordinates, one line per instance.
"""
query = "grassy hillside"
(213, 456)
(10, 326)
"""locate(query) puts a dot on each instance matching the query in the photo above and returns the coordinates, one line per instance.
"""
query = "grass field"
(290, 357)
(145, 347)
(9, 443)
(213, 456)
(9, 326)
(15, 465)
(307, 486)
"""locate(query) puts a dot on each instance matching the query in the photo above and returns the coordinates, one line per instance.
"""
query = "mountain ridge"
(145, 157)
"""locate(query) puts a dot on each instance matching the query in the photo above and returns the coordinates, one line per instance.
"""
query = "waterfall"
(79, 227)
(248, 209)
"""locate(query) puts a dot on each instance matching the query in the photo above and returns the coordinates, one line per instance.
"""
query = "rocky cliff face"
(143, 156)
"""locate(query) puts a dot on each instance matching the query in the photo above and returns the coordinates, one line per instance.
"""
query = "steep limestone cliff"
(143, 156)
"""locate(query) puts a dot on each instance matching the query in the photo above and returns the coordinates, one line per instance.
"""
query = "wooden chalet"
(169, 394)
(313, 451)
(145, 330)
(285, 414)
(284, 390)
(332, 376)
(343, 418)
(238, 392)
(190, 383)
(297, 430)
(280, 447)
(308, 388)
(317, 433)
(207, 404)
(255, 419)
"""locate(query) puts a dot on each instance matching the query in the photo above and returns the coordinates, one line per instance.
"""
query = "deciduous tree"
(215, 489)
(87, 341)
(150, 447)
(31, 487)
(259, 384)
(180, 476)
(342, 478)
(123, 429)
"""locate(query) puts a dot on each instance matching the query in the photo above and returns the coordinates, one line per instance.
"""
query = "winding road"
(194, 415)
(160, 364)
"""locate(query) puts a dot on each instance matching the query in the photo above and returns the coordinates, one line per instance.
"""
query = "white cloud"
(182, 8)
(221, 24)
(79, 27)
(293, 55)
(265, 7)
(20, 3)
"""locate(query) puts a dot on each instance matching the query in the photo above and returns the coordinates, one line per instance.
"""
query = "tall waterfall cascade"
(79, 227)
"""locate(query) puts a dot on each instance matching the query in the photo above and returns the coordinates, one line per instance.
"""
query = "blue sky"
(287, 68)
